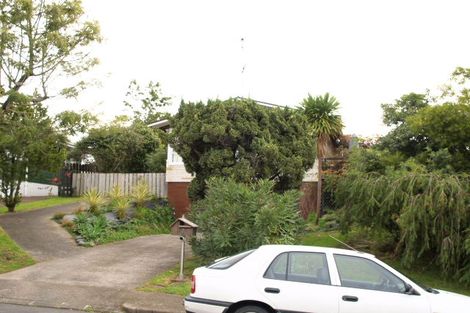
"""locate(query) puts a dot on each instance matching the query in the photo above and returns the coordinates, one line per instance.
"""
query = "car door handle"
(271, 290)
(350, 298)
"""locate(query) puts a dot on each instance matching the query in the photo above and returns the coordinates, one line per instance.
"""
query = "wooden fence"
(83, 182)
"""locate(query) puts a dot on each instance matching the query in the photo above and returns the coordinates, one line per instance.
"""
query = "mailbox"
(184, 227)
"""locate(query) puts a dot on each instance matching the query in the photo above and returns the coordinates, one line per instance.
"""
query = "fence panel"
(104, 182)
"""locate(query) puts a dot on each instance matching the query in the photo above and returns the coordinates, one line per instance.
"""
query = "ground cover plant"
(12, 257)
(114, 217)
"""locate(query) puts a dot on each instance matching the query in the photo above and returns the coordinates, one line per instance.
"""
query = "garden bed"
(102, 219)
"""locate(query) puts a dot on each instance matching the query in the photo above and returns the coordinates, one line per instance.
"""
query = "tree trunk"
(319, 189)
(11, 208)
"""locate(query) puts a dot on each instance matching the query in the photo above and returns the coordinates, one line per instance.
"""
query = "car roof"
(300, 248)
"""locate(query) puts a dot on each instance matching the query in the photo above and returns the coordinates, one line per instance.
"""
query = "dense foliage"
(235, 217)
(414, 183)
(29, 142)
(241, 139)
(426, 213)
(39, 41)
(118, 148)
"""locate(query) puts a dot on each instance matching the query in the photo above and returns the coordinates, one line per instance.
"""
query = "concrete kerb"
(132, 308)
(155, 303)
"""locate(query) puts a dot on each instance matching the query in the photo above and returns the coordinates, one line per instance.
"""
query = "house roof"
(160, 124)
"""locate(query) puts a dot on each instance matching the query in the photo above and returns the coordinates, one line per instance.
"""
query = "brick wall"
(178, 197)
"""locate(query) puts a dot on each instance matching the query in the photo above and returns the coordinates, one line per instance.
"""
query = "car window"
(278, 268)
(357, 272)
(304, 267)
(230, 261)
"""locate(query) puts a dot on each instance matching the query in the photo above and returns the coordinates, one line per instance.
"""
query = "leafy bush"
(95, 200)
(235, 217)
(92, 228)
(141, 194)
(161, 216)
(426, 213)
(241, 139)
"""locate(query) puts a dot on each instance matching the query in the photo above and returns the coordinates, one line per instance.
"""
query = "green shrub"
(95, 200)
(161, 216)
(235, 217)
(141, 194)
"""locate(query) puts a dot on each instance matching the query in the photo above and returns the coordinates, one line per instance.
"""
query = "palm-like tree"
(326, 125)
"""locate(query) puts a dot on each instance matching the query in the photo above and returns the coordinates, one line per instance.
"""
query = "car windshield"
(226, 262)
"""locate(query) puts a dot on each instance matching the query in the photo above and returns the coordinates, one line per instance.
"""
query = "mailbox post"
(186, 230)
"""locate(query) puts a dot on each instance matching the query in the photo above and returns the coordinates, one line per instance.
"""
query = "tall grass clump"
(94, 200)
(141, 194)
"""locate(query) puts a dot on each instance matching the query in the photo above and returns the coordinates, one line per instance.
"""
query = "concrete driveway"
(72, 277)
(126, 264)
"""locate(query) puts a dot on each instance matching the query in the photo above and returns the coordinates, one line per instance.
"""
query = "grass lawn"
(40, 204)
(420, 273)
(165, 281)
(423, 274)
(12, 257)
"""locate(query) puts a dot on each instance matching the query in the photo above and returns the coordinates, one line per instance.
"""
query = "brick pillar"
(178, 198)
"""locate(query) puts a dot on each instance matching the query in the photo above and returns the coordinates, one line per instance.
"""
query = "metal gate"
(66, 176)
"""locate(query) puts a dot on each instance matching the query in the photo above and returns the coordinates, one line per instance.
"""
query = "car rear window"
(229, 261)
(302, 267)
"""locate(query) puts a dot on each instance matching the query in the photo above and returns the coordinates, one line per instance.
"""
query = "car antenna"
(343, 243)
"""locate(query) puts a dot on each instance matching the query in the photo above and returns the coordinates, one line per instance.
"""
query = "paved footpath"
(73, 277)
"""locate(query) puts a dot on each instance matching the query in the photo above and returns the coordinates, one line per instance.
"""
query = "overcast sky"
(363, 52)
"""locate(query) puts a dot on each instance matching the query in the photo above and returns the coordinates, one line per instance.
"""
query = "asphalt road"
(10, 308)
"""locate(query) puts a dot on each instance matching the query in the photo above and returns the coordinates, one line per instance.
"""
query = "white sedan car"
(301, 279)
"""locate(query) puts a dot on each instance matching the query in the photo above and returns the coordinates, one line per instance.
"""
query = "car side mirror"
(409, 290)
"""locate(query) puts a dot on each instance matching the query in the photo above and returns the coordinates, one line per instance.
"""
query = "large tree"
(241, 139)
(446, 128)
(401, 138)
(38, 40)
(121, 148)
(29, 141)
(325, 125)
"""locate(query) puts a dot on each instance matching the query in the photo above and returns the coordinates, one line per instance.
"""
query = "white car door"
(300, 281)
(366, 286)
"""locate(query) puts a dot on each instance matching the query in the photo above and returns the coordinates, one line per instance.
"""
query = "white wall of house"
(311, 175)
(28, 189)
(175, 171)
